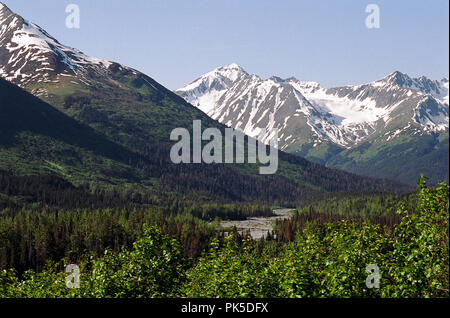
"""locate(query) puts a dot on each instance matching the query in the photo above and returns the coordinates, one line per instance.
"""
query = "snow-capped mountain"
(29, 56)
(395, 127)
(27, 53)
(306, 113)
(330, 126)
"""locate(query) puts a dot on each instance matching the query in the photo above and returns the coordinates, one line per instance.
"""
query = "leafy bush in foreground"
(153, 268)
(330, 260)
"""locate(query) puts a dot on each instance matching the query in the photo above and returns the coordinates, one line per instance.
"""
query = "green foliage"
(325, 260)
(420, 259)
(360, 205)
(30, 238)
(401, 159)
(153, 268)
(231, 271)
(329, 260)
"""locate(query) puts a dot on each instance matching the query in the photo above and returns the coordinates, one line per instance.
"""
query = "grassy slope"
(130, 118)
(401, 159)
(35, 138)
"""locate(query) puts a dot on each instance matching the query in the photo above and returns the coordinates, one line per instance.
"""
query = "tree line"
(328, 259)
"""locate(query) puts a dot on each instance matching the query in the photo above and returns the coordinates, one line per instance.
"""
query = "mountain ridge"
(136, 113)
(319, 123)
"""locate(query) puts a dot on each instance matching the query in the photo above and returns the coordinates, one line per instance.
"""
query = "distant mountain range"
(396, 127)
(98, 122)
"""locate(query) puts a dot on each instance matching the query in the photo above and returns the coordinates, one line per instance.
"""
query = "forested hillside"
(38, 139)
(326, 259)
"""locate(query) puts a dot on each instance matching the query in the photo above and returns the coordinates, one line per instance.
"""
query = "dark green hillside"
(137, 112)
(131, 108)
(39, 118)
(119, 136)
(37, 138)
(399, 159)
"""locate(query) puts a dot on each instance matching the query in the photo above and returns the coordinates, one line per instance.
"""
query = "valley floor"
(258, 227)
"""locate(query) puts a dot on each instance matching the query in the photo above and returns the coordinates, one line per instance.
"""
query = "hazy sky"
(175, 41)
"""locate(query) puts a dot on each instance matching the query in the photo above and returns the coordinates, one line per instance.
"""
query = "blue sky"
(175, 41)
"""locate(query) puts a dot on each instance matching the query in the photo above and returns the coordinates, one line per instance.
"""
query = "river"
(259, 226)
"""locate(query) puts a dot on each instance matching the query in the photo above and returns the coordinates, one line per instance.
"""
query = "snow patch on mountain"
(30, 54)
(344, 115)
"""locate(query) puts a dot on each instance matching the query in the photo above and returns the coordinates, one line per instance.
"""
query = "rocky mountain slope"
(332, 126)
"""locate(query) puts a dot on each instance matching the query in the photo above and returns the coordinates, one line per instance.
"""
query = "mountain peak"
(232, 72)
(232, 66)
(398, 78)
(30, 54)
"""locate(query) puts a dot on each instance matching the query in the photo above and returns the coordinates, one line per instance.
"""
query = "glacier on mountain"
(344, 116)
